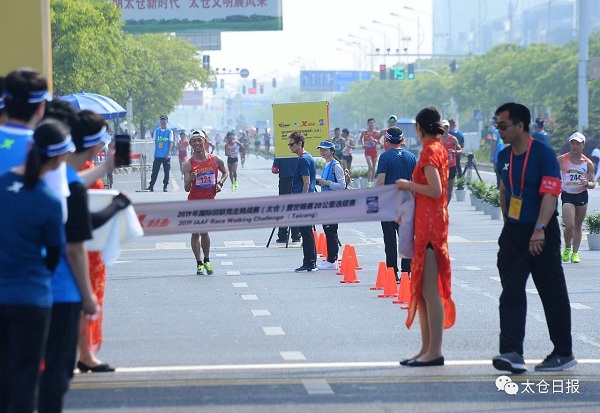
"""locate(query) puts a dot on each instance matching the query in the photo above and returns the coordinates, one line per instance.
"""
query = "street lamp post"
(401, 37)
(382, 34)
(420, 37)
(362, 39)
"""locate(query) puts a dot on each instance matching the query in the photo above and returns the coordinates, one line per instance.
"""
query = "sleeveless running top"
(572, 174)
(203, 187)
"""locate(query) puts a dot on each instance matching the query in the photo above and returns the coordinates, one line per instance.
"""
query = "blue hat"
(325, 145)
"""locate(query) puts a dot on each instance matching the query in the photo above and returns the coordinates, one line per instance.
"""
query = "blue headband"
(57, 149)
(93, 140)
(34, 97)
(394, 138)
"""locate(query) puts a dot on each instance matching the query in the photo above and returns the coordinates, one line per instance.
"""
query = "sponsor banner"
(382, 203)
(310, 118)
(166, 16)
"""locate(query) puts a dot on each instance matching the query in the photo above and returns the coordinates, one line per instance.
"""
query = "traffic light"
(397, 73)
(382, 72)
(262, 88)
(254, 83)
(274, 82)
(411, 71)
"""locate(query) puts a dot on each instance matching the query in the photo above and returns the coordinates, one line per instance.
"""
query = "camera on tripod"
(470, 157)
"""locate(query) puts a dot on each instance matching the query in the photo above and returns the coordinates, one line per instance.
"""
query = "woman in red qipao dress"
(430, 276)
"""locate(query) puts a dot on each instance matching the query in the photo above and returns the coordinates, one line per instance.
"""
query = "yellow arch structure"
(25, 37)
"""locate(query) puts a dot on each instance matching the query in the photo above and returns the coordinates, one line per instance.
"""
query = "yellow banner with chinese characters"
(310, 118)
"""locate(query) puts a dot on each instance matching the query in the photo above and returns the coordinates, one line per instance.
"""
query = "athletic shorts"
(452, 172)
(347, 158)
(371, 153)
(231, 161)
(579, 199)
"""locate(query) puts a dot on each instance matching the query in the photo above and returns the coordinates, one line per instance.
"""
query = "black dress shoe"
(281, 241)
(296, 240)
(150, 189)
(100, 368)
(405, 362)
(435, 362)
(307, 268)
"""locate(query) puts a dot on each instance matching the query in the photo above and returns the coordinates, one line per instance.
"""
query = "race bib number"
(206, 179)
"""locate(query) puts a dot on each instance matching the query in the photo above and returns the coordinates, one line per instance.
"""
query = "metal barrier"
(141, 149)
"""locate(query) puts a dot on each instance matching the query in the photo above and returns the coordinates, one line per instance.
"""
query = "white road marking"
(248, 297)
(579, 306)
(532, 291)
(317, 386)
(495, 278)
(471, 268)
(292, 355)
(258, 313)
(238, 285)
(273, 331)
(304, 366)
(233, 273)
(170, 245)
(124, 262)
(245, 243)
(220, 255)
(456, 238)
(226, 263)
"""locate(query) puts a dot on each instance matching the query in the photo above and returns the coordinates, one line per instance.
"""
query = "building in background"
(461, 27)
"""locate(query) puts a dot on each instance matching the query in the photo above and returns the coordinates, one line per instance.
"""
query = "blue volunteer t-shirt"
(15, 141)
(286, 166)
(162, 139)
(396, 164)
(541, 136)
(31, 220)
(304, 167)
(541, 162)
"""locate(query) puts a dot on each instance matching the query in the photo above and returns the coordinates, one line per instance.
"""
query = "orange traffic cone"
(390, 288)
(404, 291)
(353, 255)
(349, 274)
(345, 259)
(380, 282)
(323, 245)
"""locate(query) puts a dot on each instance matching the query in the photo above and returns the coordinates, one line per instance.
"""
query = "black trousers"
(390, 243)
(285, 188)
(166, 164)
(308, 246)
(61, 352)
(23, 331)
(514, 265)
(333, 246)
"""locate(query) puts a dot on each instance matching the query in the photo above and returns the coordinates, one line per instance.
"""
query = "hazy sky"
(310, 38)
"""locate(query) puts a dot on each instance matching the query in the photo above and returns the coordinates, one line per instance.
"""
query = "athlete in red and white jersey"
(577, 173)
(453, 147)
(369, 140)
(201, 180)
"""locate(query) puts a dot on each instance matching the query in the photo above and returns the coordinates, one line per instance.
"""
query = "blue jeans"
(23, 331)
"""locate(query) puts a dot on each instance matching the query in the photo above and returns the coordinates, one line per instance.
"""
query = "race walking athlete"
(201, 180)
(577, 177)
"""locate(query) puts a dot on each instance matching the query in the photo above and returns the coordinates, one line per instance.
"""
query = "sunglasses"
(291, 144)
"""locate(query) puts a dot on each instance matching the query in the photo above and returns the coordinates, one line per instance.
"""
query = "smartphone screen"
(122, 150)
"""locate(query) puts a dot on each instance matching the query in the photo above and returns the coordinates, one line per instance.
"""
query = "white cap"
(577, 136)
(445, 123)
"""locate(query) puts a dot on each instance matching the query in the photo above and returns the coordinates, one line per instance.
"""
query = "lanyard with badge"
(516, 202)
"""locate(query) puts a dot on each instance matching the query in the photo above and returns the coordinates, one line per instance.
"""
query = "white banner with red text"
(381, 203)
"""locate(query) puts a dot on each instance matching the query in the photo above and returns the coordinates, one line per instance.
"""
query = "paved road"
(257, 337)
